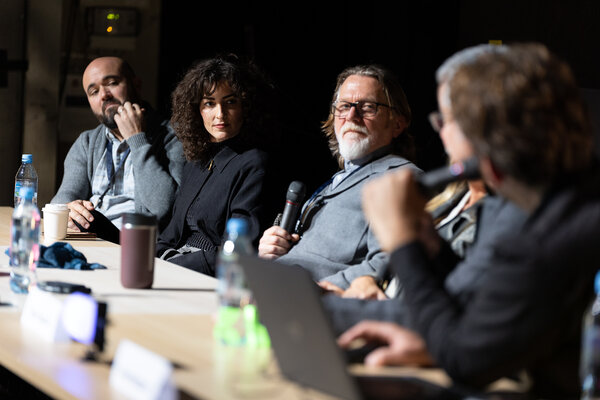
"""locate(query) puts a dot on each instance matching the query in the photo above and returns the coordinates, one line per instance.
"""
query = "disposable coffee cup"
(56, 217)
(138, 238)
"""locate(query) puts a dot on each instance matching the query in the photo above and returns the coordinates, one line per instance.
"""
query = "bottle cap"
(27, 158)
(237, 225)
(26, 192)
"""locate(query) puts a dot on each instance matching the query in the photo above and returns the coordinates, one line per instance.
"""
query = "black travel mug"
(138, 241)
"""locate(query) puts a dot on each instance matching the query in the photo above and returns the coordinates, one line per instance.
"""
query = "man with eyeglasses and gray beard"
(367, 133)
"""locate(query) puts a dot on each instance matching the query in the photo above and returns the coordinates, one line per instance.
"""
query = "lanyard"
(312, 201)
(324, 185)
(110, 169)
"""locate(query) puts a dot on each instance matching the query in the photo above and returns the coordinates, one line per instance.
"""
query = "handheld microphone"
(293, 203)
(432, 181)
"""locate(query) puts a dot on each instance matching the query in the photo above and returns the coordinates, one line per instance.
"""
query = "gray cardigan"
(337, 244)
(157, 157)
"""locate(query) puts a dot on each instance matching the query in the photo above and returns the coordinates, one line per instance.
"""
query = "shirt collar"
(109, 135)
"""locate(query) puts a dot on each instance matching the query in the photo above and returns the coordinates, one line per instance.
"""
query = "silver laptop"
(303, 339)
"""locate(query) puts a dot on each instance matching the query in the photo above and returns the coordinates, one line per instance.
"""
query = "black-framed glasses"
(436, 120)
(364, 109)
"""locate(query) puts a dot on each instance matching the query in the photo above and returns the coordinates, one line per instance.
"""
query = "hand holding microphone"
(293, 204)
(277, 240)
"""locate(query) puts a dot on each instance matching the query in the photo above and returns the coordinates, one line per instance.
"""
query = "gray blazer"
(157, 157)
(337, 244)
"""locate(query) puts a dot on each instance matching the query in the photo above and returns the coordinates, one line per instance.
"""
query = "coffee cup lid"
(55, 207)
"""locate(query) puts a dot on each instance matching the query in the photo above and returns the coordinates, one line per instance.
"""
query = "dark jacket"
(233, 186)
(496, 218)
(525, 312)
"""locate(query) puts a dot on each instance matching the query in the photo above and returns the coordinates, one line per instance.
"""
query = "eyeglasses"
(436, 120)
(364, 109)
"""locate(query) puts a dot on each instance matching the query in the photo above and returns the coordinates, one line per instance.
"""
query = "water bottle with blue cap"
(26, 177)
(590, 348)
(24, 242)
(237, 320)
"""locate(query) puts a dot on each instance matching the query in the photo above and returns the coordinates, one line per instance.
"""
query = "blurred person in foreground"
(524, 115)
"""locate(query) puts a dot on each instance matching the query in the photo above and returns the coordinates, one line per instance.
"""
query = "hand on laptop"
(400, 346)
(80, 212)
(276, 242)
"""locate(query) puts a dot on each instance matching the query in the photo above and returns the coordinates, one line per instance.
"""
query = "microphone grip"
(290, 216)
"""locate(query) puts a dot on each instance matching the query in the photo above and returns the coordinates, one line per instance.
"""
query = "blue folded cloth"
(63, 255)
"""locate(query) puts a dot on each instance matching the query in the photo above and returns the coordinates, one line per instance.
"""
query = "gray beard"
(355, 150)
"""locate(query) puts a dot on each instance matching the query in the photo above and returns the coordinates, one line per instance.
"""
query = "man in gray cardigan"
(366, 129)
(131, 162)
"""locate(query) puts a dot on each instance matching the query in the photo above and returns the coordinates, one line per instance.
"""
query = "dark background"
(303, 46)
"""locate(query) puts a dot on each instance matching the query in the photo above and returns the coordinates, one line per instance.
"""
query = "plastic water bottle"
(24, 242)
(26, 176)
(237, 321)
(590, 348)
(231, 287)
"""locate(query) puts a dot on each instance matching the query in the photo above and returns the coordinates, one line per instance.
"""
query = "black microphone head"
(435, 180)
(296, 192)
(467, 169)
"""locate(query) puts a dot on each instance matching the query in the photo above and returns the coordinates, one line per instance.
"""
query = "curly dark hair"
(404, 144)
(244, 78)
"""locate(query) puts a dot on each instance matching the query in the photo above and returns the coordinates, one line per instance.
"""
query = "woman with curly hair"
(218, 118)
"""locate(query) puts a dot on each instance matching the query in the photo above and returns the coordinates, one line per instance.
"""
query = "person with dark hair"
(523, 113)
(219, 116)
(366, 128)
(131, 162)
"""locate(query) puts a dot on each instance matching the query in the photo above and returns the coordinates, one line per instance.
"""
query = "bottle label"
(18, 186)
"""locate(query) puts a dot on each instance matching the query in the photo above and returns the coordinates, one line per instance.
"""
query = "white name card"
(140, 374)
(42, 314)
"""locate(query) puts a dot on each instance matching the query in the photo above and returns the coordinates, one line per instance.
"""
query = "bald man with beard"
(131, 162)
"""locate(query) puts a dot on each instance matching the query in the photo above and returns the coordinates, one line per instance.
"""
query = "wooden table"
(173, 319)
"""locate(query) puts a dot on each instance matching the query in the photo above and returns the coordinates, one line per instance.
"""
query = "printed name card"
(141, 374)
(42, 314)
